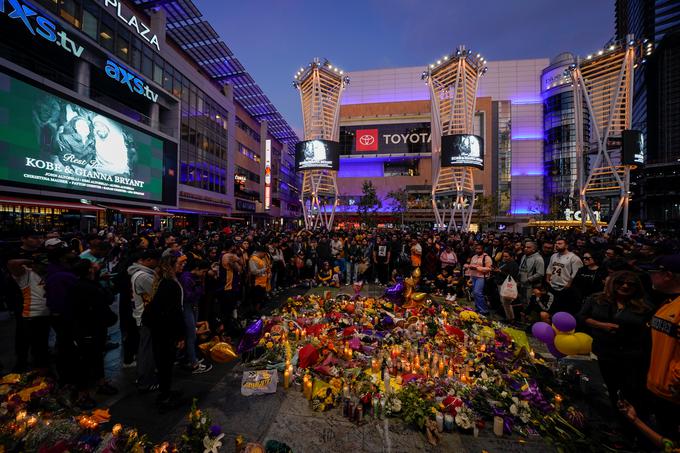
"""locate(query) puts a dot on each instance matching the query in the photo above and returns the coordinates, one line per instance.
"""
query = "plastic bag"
(508, 290)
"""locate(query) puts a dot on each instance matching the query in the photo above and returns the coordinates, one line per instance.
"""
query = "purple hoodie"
(58, 282)
(192, 289)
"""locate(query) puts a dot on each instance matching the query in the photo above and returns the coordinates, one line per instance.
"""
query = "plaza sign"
(128, 78)
(39, 25)
(133, 22)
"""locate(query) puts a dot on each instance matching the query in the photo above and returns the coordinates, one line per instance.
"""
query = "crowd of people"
(165, 290)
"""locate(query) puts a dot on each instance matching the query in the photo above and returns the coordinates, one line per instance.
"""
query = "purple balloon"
(251, 337)
(543, 332)
(563, 321)
(553, 350)
(394, 292)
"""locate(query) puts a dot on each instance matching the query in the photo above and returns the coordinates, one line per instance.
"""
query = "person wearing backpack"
(479, 269)
(141, 274)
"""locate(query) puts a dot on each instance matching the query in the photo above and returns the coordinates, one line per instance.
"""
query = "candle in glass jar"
(449, 373)
(308, 389)
(448, 423)
(375, 365)
(286, 378)
(498, 426)
(305, 380)
(345, 391)
(439, 418)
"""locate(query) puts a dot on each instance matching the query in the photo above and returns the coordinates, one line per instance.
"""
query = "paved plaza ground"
(284, 416)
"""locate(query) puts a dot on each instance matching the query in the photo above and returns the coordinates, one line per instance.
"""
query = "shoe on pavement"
(201, 368)
(132, 364)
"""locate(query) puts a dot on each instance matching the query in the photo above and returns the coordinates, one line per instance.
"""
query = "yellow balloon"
(568, 344)
(416, 273)
(418, 297)
(585, 342)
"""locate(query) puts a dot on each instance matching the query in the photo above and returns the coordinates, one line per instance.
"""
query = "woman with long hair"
(164, 317)
(617, 318)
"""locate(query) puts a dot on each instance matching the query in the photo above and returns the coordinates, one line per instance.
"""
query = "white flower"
(504, 394)
(525, 417)
(212, 445)
(513, 409)
(515, 400)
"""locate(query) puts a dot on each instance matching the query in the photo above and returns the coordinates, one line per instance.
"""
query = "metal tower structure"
(320, 85)
(453, 82)
(603, 84)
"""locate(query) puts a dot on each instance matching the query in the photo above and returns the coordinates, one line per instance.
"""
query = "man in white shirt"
(560, 274)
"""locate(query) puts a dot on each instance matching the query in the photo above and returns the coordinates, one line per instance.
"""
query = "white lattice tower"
(453, 82)
(320, 85)
(603, 84)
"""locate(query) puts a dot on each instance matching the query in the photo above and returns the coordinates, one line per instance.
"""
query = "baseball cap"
(54, 242)
(668, 263)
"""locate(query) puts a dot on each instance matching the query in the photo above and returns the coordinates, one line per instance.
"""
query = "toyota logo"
(367, 140)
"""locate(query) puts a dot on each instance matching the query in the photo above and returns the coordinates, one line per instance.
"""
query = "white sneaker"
(377, 282)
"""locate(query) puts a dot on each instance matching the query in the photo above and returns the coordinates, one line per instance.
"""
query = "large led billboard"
(412, 138)
(317, 155)
(463, 150)
(633, 145)
(50, 142)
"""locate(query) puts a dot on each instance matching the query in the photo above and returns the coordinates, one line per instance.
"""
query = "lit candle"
(449, 373)
(532, 354)
(32, 420)
(441, 368)
(21, 415)
(375, 366)
(439, 417)
(286, 378)
(305, 379)
(304, 333)
(309, 387)
(345, 391)
(558, 402)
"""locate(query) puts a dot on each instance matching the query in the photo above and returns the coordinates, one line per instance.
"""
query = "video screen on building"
(317, 155)
(463, 150)
(50, 142)
(633, 144)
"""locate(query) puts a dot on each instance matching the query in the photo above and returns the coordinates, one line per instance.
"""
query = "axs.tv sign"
(39, 26)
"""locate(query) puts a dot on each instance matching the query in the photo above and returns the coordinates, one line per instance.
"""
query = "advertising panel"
(633, 147)
(267, 175)
(386, 138)
(50, 142)
(463, 150)
(316, 155)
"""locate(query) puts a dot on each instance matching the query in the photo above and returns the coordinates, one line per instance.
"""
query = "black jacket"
(630, 341)
(91, 314)
(164, 314)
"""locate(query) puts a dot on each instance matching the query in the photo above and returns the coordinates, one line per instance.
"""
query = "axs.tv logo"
(44, 27)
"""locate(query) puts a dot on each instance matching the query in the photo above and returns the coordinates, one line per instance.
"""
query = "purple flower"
(215, 430)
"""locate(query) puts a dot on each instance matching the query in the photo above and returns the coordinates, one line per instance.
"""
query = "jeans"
(190, 329)
(478, 295)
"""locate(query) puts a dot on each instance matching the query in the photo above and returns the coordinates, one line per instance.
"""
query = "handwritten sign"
(259, 382)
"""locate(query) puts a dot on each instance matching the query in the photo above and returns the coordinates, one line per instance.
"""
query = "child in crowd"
(539, 305)
(325, 275)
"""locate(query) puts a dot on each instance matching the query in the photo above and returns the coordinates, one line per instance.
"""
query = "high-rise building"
(560, 182)
(385, 138)
(656, 105)
(133, 112)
